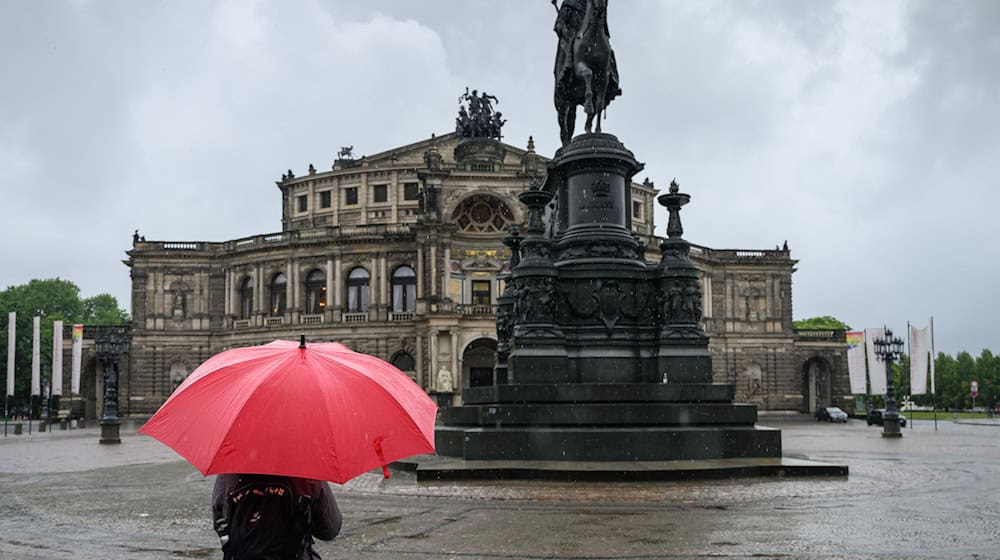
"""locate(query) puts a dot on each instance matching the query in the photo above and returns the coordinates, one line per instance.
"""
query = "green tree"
(825, 322)
(51, 299)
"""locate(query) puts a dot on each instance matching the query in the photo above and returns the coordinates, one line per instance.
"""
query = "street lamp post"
(889, 349)
(109, 347)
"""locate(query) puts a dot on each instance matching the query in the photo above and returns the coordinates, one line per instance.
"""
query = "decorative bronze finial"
(531, 144)
(674, 187)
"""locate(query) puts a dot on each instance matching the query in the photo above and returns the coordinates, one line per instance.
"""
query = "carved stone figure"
(346, 152)
(585, 71)
(178, 307)
(444, 380)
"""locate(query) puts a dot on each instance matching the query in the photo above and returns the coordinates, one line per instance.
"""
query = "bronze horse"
(592, 79)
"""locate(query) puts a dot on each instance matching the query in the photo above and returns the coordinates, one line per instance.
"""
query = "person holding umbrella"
(269, 517)
(274, 421)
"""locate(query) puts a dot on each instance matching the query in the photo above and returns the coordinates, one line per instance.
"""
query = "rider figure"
(568, 24)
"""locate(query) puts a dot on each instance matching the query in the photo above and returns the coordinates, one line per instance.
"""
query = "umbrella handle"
(381, 457)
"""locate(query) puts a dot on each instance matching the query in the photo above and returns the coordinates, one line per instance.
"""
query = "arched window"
(279, 289)
(315, 292)
(404, 362)
(404, 290)
(246, 298)
(358, 292)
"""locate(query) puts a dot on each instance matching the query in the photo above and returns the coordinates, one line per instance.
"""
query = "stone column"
(374, 281)
(454, 358)
(446, 280)
(259, 295)
(338, 289)
(420, 361)
(227, 295)
(329, 287)
(434, 270)
(294, 284)
(383, 284)
(420, 271)
(432, 376)
(289, 283)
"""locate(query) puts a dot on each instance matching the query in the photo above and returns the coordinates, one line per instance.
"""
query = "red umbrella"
(322, 412)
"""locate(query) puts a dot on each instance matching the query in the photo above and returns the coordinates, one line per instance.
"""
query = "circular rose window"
(483, 214)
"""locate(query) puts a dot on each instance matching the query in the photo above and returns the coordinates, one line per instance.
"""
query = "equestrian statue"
(586, 73)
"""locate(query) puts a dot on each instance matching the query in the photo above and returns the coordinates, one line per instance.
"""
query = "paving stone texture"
(931, 495)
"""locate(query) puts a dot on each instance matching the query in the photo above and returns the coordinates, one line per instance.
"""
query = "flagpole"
(909, 353)
(933, 387)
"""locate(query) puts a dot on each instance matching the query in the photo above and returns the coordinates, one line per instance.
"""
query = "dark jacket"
(325, 515)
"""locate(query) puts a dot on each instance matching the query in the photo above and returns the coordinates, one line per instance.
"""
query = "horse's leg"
(600, 111)
(570, 116)
(586, 75)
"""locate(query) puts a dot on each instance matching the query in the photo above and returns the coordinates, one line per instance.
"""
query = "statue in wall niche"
(178, 307)
(444, 380)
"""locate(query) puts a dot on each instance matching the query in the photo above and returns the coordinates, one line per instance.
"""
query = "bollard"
(18, 430)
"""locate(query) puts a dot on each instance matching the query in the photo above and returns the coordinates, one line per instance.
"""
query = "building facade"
(400, 255)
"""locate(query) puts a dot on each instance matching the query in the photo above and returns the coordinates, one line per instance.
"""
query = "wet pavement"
(931, 494)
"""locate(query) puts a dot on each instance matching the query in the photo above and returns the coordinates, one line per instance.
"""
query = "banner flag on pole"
(36, 380)
(11, 350)
(919, 346)
(57, 356)
(933, 357)
(876, 367)
(856, 361)
(77, 351)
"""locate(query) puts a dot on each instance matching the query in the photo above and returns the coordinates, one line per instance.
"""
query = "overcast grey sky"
(865, 133)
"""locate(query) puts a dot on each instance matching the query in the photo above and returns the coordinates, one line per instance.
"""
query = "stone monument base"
(604, 422)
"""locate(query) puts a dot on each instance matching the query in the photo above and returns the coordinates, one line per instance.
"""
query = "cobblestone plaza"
(931, 494)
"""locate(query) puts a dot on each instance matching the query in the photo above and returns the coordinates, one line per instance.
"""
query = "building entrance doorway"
(478, 361)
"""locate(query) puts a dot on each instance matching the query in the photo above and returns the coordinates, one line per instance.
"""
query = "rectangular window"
(303, 202)
(636, 210)
(324, 199)
(480, 292)
(350, 196)
(380, 193)
(411, 191)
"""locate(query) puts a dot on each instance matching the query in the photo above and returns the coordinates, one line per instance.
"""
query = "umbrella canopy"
(319, 411)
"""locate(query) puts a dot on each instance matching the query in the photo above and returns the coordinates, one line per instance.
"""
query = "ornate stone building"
(399, 255)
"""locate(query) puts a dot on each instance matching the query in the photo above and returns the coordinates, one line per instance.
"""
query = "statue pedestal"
(607, 360)
(444, 399)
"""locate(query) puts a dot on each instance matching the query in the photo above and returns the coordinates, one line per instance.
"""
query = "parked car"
(831, 414)
(875, 417)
